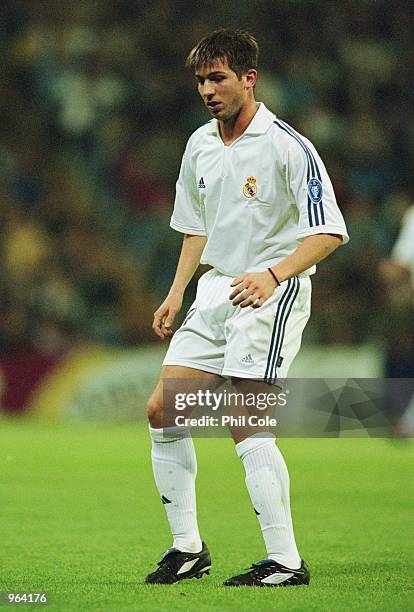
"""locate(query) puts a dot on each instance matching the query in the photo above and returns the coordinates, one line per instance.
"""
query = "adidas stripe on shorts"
(255, 343)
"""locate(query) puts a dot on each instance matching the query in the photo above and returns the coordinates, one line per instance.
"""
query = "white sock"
(267, 481)
(175, 467)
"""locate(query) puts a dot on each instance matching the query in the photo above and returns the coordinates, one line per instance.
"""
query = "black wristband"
(274, 276)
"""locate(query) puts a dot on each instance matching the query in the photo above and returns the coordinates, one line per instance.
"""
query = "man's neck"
(231, 130)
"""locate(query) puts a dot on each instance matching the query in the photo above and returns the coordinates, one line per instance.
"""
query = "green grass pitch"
(80, 518)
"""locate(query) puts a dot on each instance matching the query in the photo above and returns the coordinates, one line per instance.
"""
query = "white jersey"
(256, 198)
(403, 250)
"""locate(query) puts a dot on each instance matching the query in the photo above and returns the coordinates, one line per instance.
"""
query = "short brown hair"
(238, 47)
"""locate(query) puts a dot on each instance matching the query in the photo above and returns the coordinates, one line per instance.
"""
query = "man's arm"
(392, 272)
(254, 288)
(311, 251)
(188, 263)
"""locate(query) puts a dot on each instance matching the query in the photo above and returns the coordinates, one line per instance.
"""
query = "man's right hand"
(165, 315)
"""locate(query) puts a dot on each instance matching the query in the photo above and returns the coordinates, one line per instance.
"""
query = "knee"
(155, 412)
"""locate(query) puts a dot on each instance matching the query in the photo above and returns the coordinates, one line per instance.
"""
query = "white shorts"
(255, 343)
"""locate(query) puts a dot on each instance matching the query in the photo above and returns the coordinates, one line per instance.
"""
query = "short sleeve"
(312, 192)
(403, 250)
(186, 217)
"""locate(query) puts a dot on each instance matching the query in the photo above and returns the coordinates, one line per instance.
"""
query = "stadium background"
(95, 110)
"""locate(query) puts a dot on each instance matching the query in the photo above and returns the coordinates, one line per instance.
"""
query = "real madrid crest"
(250, 187)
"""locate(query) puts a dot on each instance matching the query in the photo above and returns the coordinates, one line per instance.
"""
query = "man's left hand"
(252, 289)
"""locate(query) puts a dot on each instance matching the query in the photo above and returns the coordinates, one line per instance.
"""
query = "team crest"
(250, 187)
(315, 190)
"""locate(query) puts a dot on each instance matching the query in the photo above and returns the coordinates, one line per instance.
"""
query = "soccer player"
(397, 272)
(253, 201)
(399, 267)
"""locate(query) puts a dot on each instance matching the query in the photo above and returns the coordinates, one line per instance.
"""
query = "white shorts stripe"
(283, 311)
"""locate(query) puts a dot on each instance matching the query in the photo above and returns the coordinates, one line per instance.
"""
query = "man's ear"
(251, 78)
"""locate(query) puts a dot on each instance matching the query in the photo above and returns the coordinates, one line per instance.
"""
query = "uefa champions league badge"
(315, 190)
(250, 187)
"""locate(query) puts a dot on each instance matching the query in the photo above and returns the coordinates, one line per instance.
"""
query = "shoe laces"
(167, 554)
(257, 567)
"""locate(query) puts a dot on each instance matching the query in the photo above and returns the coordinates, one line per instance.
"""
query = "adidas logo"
(201, 184)
(247, 360)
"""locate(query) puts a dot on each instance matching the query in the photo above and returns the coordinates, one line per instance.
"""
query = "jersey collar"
(260, 123)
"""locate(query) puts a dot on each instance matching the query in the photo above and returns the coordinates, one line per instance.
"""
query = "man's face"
(221, 90)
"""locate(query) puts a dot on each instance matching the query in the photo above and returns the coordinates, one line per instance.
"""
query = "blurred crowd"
(96, 108)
